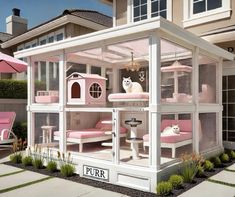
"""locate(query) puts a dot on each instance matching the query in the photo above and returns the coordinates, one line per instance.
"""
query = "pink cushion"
(140, 95)
(105, 126)
(176, 138)
(172, 138)
(4, 120)
(6, 134)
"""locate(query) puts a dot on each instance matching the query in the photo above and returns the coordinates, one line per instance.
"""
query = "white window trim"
(191, 19)
(130, 14)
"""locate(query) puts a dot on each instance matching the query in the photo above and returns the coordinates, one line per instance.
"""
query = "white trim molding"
(191, 19)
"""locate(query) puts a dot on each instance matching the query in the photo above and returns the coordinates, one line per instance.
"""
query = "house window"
(158, 8)
(51, 39)
(42, 42)
(203, 11)
(205, 5)
(59, 36)
(140, 10)
(143, 9)
(95, 90)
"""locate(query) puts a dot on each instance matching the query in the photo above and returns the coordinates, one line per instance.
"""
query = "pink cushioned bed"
(175, 140)
(87, 133)
(119, 97)
(172, 138)
(101, 132)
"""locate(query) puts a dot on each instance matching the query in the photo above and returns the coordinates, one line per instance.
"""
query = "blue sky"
(39, 11)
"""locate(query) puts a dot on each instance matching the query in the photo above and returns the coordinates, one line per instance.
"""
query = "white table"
(47, 133)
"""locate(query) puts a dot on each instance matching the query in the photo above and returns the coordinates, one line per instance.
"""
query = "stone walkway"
(219, 185)
(17, 182)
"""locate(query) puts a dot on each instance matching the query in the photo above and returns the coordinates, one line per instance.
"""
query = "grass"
(229, 170)
(221, 182)
(12, 173)
(24, 185)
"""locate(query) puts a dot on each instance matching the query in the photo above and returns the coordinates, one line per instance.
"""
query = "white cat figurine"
(173, 130)
(131, 87)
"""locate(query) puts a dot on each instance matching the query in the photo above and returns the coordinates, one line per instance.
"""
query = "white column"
(114, 13)
(129, 11)
(39, 71)
(88, 69)
(47, 76)
(62, 103)
(155, 100)
(30, 95)
(115, 80)
(195, 92)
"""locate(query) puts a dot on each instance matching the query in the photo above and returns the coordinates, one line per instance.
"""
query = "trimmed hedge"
(13, 89)
(20, 129)
(16, 89)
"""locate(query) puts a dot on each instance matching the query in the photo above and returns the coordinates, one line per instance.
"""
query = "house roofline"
(124, 30)
(107, 2)
(225, 34)
(52, 24)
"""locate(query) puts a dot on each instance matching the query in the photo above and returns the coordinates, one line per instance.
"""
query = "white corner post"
(116, 136)
(62, 102)
(30, 95)
(114, 13)
(155, 99)
(219, 119)
(195, 92)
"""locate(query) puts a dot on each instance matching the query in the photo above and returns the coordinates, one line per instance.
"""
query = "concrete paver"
(5, 169)
(60, 188)
(232, 167)
(20, 178)
(225, 176)
(207, 188)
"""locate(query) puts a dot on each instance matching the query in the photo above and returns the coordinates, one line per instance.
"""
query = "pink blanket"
(87, 133)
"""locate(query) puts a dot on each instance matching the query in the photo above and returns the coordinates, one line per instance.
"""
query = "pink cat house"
(86, 89)
(188, 94)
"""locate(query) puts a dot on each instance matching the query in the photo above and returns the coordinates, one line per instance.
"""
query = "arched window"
(76, 90)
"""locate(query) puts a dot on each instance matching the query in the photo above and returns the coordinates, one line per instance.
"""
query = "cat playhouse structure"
(156, 44)
(86, 89)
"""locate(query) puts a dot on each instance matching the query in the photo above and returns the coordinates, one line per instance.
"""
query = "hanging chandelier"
(132, 65)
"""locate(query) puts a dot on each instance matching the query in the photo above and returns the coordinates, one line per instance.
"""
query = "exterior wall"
(121, 11)
(178, 17)
(80, 30)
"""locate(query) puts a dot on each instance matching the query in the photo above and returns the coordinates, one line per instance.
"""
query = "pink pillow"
(100, 125)
(4, 120)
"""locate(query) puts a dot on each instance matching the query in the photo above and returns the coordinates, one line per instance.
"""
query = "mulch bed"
(121, 189)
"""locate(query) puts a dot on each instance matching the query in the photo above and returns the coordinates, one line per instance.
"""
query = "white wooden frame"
(153, 29)
(173, 146)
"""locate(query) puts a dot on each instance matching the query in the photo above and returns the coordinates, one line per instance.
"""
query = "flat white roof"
(108, 36)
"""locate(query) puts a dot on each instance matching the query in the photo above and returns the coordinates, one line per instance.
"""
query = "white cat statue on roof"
(173, 130)
(131, 87)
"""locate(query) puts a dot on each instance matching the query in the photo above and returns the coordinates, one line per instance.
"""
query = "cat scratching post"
(133, 140)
